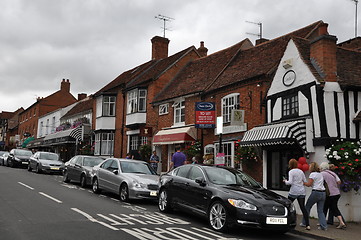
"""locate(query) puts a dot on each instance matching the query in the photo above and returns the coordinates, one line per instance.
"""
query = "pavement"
(352, 231)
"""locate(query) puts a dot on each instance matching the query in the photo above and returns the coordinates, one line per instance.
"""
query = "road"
(42, 207)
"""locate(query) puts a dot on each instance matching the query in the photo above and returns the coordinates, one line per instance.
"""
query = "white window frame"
(229, 102)
(137, 101)
(163, 109)
(108, 106)
(228, 150)
(179, 112)
(104, 144)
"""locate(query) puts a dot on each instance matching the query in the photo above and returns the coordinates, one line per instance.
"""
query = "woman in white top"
(296, 178)
(318, 194)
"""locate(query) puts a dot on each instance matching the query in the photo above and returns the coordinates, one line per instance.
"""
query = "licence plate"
(24, 163)
(54, 168)
(273, 220)
(153, 193)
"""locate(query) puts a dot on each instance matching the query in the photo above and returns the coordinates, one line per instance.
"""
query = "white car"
(131, 179)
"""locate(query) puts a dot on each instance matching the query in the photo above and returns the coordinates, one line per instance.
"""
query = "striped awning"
(285, 133)
(175, 136)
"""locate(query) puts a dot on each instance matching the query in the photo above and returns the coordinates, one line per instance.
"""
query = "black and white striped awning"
(286, 133)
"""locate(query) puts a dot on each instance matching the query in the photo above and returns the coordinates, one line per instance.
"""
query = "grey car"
(79, 169)
(46, 162)
(19, 157)
(3, 157)
(131, 179)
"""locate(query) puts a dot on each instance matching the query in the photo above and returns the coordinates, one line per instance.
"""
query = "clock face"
(289, 78)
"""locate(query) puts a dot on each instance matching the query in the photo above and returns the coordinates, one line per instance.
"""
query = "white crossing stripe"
(50, 197)
(26, 185)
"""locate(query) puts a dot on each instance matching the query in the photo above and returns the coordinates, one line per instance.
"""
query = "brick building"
(28, 119)
(121, 109)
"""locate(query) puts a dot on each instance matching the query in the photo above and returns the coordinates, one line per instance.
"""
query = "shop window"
(290, 106)
(135, 141)
(229, 103)
(109, 106)
(228, 150)
(277, 164)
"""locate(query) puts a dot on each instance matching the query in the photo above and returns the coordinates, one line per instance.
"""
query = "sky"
(91, 42)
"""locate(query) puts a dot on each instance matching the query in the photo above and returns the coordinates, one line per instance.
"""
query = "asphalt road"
(42, 207)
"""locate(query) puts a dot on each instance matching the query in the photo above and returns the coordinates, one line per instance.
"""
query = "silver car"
(79, 169)
(46, 162)
(3, 157)
(131, 179)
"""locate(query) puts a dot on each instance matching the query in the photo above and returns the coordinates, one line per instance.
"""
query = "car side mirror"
(200, 181)
(115, 172)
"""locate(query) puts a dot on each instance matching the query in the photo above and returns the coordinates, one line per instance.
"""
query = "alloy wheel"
(217, 216)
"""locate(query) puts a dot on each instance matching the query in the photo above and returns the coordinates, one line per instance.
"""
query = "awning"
(286, 133)
(35, 143)
(26, 141)
(175, 135)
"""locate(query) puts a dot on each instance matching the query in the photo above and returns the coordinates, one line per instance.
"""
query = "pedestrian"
(178, 159)
(333, 181)
(154, 160)
(318, 195)
(296, 178)
(128, 156)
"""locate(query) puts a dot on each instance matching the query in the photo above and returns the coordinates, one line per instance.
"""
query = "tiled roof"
(231, 65)
(81, 106)
(143, 73)
(349, 68)
(196, 75)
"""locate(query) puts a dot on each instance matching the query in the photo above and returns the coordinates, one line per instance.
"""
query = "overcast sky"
(91, 42)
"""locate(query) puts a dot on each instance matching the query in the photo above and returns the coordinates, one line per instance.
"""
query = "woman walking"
(296, 178)
(333, 181)
(318, 195)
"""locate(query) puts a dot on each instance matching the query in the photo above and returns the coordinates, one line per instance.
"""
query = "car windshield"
(135, 167)
(21, 152)
(91, 162)
(223, 176)
(49, 156)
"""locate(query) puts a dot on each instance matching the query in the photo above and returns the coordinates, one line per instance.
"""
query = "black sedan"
(79, 169)
(226, 197)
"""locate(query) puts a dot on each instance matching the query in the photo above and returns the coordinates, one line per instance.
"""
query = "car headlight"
(242, 204)
(139, 185)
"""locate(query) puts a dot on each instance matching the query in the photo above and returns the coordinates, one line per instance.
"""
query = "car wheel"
(82, 181)
(37, 169)
(124, 192)
(164, 204)
(95, 187)
(217, 216)
(29, 168)
(11, 164)
(66, 177)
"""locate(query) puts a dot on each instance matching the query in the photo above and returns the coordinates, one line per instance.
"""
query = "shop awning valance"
(275, 134)
(175, 135)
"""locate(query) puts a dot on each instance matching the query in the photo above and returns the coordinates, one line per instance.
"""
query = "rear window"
(21, 152)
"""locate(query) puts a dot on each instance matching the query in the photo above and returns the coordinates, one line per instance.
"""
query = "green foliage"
(194, 149)
(245, 155)
(346, 156)
(145, 151)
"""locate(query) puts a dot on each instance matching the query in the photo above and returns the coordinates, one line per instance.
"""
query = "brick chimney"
(65, 85)
(202, 50)
(159, 47)
(81, 96)
(261, 40)
(323, 53)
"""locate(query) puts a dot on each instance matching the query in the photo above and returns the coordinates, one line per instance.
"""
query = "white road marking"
(90, 218)
(50, 197)
(114, 199)
(26, 185)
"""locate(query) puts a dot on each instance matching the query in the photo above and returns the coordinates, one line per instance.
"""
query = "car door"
(70, 168)
(179, 184)
(32, 162)
(77, 169)
(197, 194)
(103, 174)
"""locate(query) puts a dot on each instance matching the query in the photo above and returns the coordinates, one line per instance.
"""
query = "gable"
(292, 72)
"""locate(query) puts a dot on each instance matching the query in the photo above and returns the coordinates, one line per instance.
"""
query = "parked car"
(19, 158)
(3, 155)
(131, 179)
(226, 197)
(79, 169)
(46, 162)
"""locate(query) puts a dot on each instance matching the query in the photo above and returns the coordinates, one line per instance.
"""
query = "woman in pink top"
(333, 181)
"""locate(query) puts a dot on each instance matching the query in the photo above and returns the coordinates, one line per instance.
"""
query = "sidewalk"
(353, 230)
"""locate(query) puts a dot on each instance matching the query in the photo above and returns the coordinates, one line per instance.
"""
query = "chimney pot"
(65, 85)
(202, 50)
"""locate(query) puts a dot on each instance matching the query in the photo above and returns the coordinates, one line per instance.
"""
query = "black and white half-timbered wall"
(314, 99)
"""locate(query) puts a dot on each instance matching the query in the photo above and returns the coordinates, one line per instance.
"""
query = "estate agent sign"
(205, 115)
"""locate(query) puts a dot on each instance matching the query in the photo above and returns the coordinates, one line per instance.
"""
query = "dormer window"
(137, 101)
